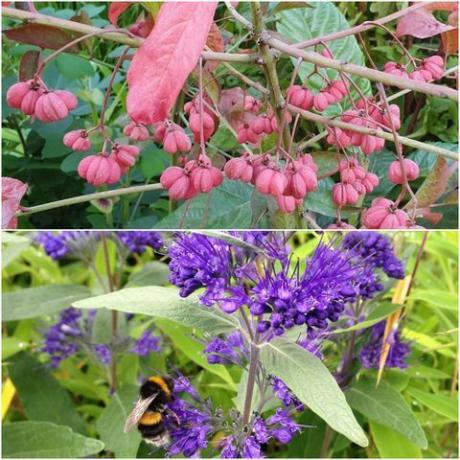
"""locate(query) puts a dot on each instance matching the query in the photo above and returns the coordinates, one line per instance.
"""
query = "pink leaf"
(162, 64)
(116, 9)
(12, 192)
(420, 24)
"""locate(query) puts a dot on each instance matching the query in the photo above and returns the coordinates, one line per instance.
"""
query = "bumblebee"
(149, 411)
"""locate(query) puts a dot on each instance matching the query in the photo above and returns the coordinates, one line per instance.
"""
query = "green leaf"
(111, 423)
(12, 345)
(181, 337)
(426, 343)
(39, 301)
(387, 407)
(101, 331)
(12, 247)
(41, 395)
(436, 298)
(46, 440)
(391, 444)
(165, 303)
(227, 206)
(381, 312)
(313, 384)
(439, 403)
(73, 67)
(154, 273)
(306, 23)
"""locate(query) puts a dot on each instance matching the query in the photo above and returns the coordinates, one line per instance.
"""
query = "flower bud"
(395, 173)
(77, 140)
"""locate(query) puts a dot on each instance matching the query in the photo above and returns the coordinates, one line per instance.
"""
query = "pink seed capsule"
(320, 101)
(50, 107)
(68, 98)
(16, 93)
(287, 204)
(99, 170)
(395, 173)
(77, 140)
(125, 155)
(170, 176)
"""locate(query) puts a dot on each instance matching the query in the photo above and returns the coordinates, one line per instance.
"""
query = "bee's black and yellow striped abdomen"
(151, 424)
(160, 386)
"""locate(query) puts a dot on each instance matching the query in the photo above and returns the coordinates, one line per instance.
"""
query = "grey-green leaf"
(112, 421)
(313, 384)
(387, 407)
(154, 273)
(41, 395)
(164, 302)
(307, 23)
(46, 440)
(40, 301)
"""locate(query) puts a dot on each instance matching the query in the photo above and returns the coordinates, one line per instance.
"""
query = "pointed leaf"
(162, 64)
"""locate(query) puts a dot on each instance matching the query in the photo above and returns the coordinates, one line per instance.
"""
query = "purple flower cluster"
(139, 241)
(279, 426)
(399, 350)
(284, 394)
(68, 335)
(60, 339)
(146, 344)
(229, 350)
(61, 244)
(376, 250)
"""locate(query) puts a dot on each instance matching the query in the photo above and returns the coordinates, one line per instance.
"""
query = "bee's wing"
(138, 411)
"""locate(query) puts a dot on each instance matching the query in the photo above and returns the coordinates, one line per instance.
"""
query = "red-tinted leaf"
(12, 192)
(42, 36)
(116, 9)
(162, 64)
(216, 43)
(28, 65)
(143, 26)
(420, 24)
(450, 38)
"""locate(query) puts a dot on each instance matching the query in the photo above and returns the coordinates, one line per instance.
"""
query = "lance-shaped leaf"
(164, 61)
(313, 384)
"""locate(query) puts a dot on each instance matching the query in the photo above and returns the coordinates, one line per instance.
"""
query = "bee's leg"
(171, 412)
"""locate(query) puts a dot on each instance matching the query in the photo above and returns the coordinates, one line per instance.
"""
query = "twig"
(360, 129)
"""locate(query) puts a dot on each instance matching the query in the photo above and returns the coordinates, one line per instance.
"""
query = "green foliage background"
(413, 413)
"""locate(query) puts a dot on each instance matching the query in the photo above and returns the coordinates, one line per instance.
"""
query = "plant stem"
(253, 365)
(85, 198)
(113, 369)
(360, 129)
(364, 72)
(277, 99)
(115, 36)
(326, 442)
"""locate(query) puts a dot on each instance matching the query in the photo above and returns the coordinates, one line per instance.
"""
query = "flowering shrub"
(236, 121)
(278, 344)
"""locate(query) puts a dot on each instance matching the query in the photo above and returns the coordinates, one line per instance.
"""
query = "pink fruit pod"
(384, 118)
(77, 140)
(29, 101)
(434, 65)
(370, 181)
(395, 173)
(175, 140)
(396, 219)
(300, 97)
(287, 203)
(239, 169)
(217, 176)
(170, 175)
(338, 137)
(251, 104)
(125, 155)
(359, 187)
(395, 69)
(202, 179)
(261, 124)
(177, 182)
(339, 89)
(160, 130)
(50, 107)
(326, 53)
(343, 194)
(195, 125)
(369, 144)
(376, 214)
(307, 160)
(320, 101)
(246, 134)
(68, 98)
(421, 75)
(136, 131)
(271, 182)
(16, 93)
(274, 122)
(99, 170)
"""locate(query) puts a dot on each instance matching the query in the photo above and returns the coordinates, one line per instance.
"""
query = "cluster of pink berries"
(304, 99)
(354, 183)
(33, 98)
(256, 125)
(197, 176)
(431, 69)
(289, 185)
(106, 169)
(373, 118)
(395, 171)
(173, 137)
(136, 131)
(383, 213)
(210, 121)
